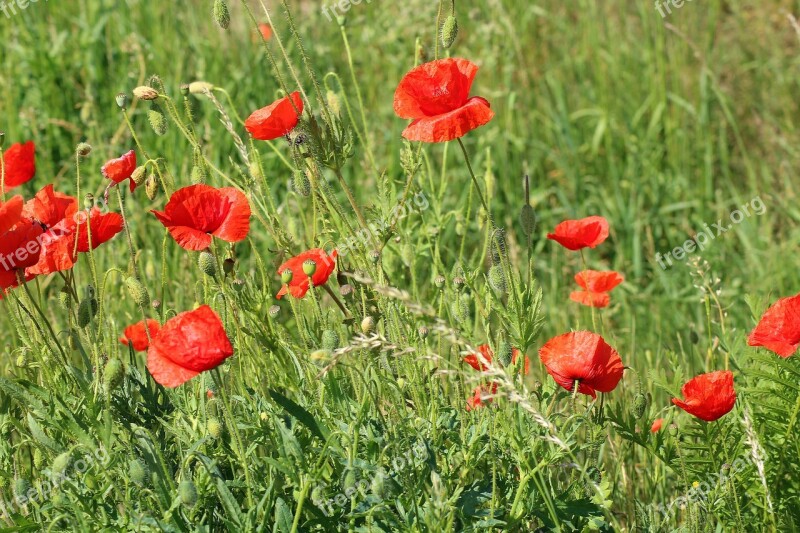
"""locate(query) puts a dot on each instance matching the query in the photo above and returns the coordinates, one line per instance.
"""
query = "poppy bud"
(137, 291)
(138, 175)
(334, 102)
(83, 150)
(527, 219)
(439, 281)
(21, 488)
(144, 92)
(309, 267)
(449, 31)
(423, 332)
(274, 310)
(286, 276)
(459, 282)
(137, 471)
(639, 405)
(228, 265)
(594, 474)
(86, 311)
(122, 100)
(200, 87)
(198, 175)
(497, 279)
(65, 299)
(300, 184)
(330, 340)
(187, 493)
(349, 480)
(114, 374)
(157, 120)
(60, 464)
(367, 325)
(221, 14)
(207, 264)
(151, 187)
(505, 353)
(214, 427)
(461, 308)
(375, 256)
(88, 201)
(38, 458)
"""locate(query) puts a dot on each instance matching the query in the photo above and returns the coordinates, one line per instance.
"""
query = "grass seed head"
(221, 14)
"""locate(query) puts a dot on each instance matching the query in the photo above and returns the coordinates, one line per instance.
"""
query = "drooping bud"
(301, 184)
(137, 291)
(527, 219)
(207, 264)
(157, 120)
(113, 375)
(21, 488)
(497, 279)
(83, 149)
(334, 102)
(122, 100)
(138, 175)
(187, 493)
(330, 340)
(151, 187)
(61, 464)
(143, 92)
(198, 175)
(200, 87)
(449, 31)
(505, 353)
(137, 471)
(38, 458)
(221, 14)
(87, 309)
(639, 405)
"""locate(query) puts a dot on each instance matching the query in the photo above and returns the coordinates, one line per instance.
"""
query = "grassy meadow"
(345, 410)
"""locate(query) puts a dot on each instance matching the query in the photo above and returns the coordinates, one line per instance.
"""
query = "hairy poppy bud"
(497, 279)
(114, 374)
(151, 187)
(200, 87)
(198, 175)
(60, 464)
(330, 339)
(65, 299)
(207, 264)
(449, 31)
(439, 281)
(461, 308)
(157, 120)
(286, 276)
(221, 14)
(301, 184)
(138, 175)
(137, 291)
(639, 405)
(21, 488)
(334, 102)
(214, 427)
(309, 267)
(137, 471)
(367, 325)
(122, 100)
(187, 493)
(144, 92)
(527, 219)
(87, 309)
(38, 458)
(83, 149)
(505, 353)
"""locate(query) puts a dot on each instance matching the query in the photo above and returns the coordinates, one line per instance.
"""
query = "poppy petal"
(20, 164)
(779, 327)
(577, 234)
(451, 125)
(277, 119)
(10, 213)
(591, 299)
(434, 88)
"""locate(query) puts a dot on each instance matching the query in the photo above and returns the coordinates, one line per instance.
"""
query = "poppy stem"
(2, 176)
(477, 185)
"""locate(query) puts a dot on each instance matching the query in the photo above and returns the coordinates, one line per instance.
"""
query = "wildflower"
(577, 234)
(136, 335)
(277, 119)
(19, 250)
(596, 287)
(585, 358)
(119, 169)
(102, 227)
(435, 96)
(196, 213)
(480, 395)
(188, 344)
(20, 164)
(486, 351)
(708, 396)
(10, 213)
(49, 207)
(265, 30)
(656, 427)
(299, 283)
(779, 328)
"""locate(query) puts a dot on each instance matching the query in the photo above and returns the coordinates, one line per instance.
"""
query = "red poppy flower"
(656, 427)
(195, 213)
(299, 285)
(48, 207)
(779, 328)
(20, 164)
(577, 234)
(486, 351)
(121, 169)
(480, 395)
(19, 249)
(435, 96)
(277, 119)
(136, 335)
(596, 287)
(709, 397)
(266, 31)
(584, 357)
(103, 228)
(188, 344)
(57, 251)
(10, 213)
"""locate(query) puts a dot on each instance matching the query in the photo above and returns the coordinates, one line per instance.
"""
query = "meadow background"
(659, 124)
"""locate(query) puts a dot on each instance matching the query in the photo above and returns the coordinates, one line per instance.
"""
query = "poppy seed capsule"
(274, 310)
(122, 100)
(157, 120)
(286, 276)
(83, 150)
(151, 187)
(458, 283)
(228, 266)
(673, 430)
(137, 291)
(207, 264)
(423, 332)
(309, 267)
(187, 493)
(346, 290)
(185, 89)
(375, 256)
(143, 92)
(527, 219)
(138, 175)
(114, 374)
(221, 14)
(639, 405)
(137, 471)
(439, 281)
(449, 31)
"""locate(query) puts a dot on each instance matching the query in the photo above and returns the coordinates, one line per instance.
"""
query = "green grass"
(660, 125)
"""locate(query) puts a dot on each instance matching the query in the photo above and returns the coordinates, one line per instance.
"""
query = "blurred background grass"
(660, 124)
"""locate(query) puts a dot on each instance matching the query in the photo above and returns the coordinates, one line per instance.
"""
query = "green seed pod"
(61, 464)
(138, 291)
(527, 219)
(157, 119)
(187, 493)
(286, 276)
(137, 471)
(207, 264)
(21, 488)
(65, 299)
(423, 332)
(151, 187)
(367, 325)
(214, 427)
(86, 311)
(83, 150)
(309, 267)
(439, 281)
(122, 100)
(274, 311)
(301, 184)
(449, 31)
(505, 353)
(459, 282)
(330, 340)
(375, 256)
(639, 405)
(221, 14)
(673, 430)
(113, 375)
(497, 279)
(138, 175)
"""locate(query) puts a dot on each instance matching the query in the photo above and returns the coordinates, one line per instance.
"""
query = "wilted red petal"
(190, 343)
(277, 119)
(709, 396)
(10, 213)
(577, 234)
(591, 299)
(584, 357)
(195, 213)
(779, 328)
(299, 285)
(20, 164)
(121, 168)
(136, 335)
(49, 207)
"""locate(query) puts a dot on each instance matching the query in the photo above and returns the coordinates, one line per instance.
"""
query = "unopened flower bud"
(187, 492)
(221, 14)
(143, 92)
(527, 219)
(139, 175)
(207, 264)
(157, 119)
(83, 149)
(137, 291)
(505, 353)
(639, 405)
(367, 325)
(137, 471)
(200, 87)
(151, 187)
(673, 430)
(497, 279)
(449, 31)
(214, 427)
(330, 340)
(334, 102)
(113, 375)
